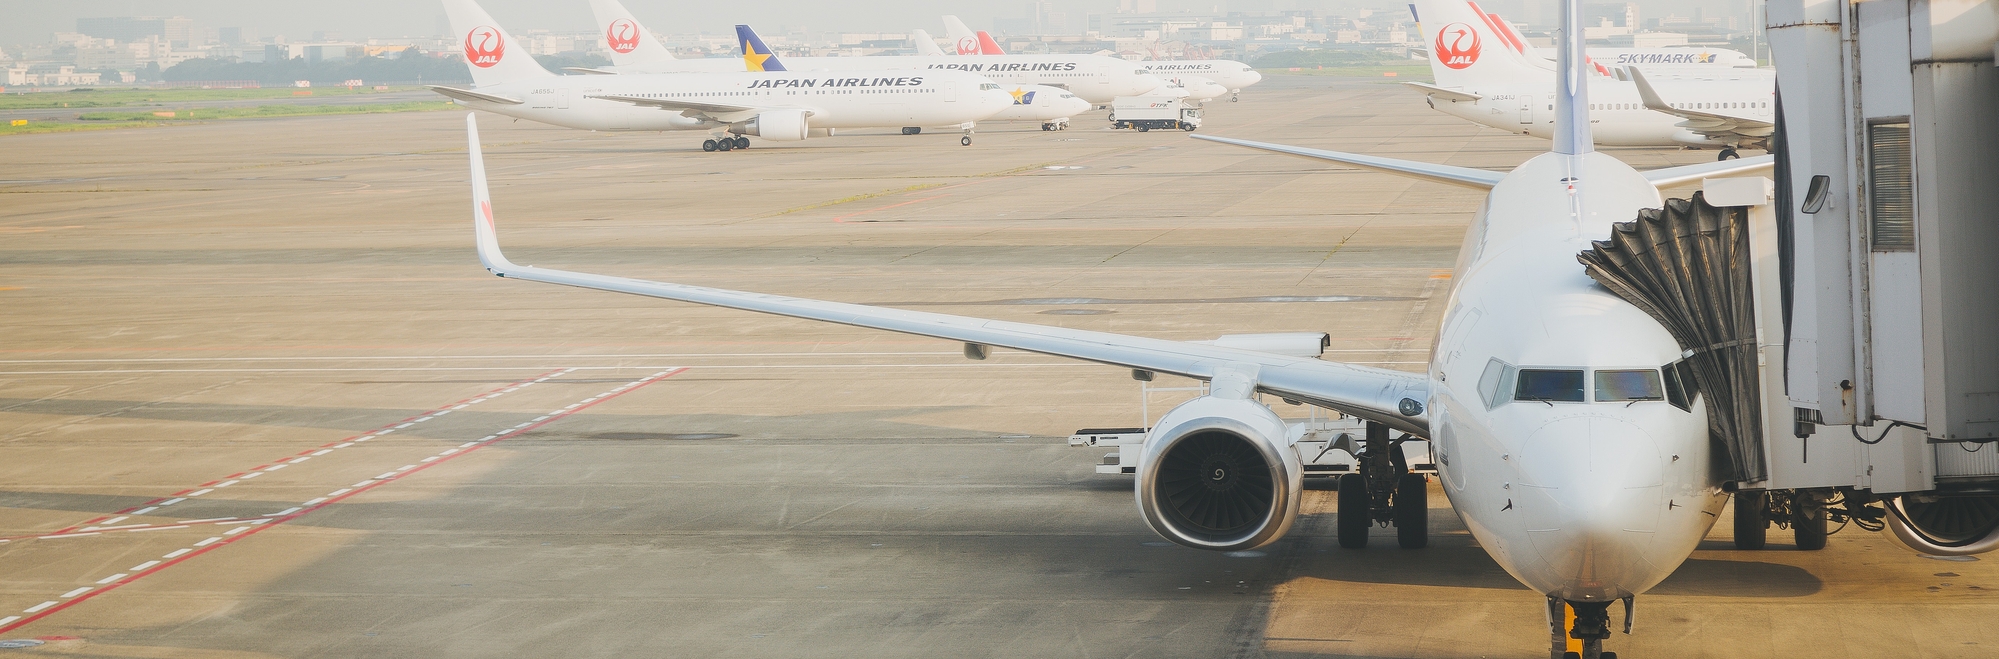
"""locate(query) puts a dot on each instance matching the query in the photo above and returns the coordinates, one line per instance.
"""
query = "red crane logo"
(623, 35)
(1457, 46)
(484, 46)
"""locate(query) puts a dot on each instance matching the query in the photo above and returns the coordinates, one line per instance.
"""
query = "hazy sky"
(32, 21)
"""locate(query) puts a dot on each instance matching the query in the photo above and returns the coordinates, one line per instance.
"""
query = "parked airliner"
(776, 106)
(1093, 78)
(1557, 440)
(1645, 58)
(1483, 76)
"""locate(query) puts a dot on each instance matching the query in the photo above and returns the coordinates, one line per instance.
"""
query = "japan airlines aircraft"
(969, 42)
(1486, 78)
(1575, 463)
(774, 106)
(1231, 75)
(1093, 78)
(1645, 58)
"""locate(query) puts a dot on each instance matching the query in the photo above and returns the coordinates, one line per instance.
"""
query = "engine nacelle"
(1217, 473)
(1945, 525)
(775, 125)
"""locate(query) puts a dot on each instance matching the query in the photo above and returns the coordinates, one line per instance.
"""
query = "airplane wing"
(469, 95)
(589, 71)
(1390, 397)
(1446, 94)
(1449, 174)
(723, 112)
(1709, 124)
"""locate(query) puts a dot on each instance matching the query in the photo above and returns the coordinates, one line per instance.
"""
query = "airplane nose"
(1255, 77)
(1590, 494)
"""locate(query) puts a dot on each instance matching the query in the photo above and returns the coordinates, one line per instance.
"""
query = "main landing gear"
(1384, 491)
(1587, 622)
(912, 130)
(726, 144)
(1727, 153)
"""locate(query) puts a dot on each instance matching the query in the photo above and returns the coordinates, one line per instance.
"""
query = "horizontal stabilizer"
(1462, 176)
(469, 95)
(1446, 94)
(589, 71)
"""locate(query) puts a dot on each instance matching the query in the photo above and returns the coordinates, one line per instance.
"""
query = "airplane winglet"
(487, 237)
(1645, 92)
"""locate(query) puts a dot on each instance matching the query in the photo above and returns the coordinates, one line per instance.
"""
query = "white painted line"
(238, 521)
(285, 512)
(170, 502)
(385, 476)
(177, 552)
(405, 468)
(544, 416)
(429, 459)
(8, 619)
(344, 445)
(449, 451)
(525, 424)
(510, 390)
(301, 459)
(159, 528)
(226, 484)
(38, 607)
(200, 492)
(142, 566)
(251, 475)
(111, 578)
(314, 501)
(68, 535)
(236, 530)
(145, 510)
(440, 413)
(117, 519)
(573, 406)
(204, 521)
(406, 425)
(364, 438)
(339, 492)
(422, 419)
(275, 467)
(209, 541)
(77, 592)
(111, 528)
(323, 451)
(472, 444)
(366, 483)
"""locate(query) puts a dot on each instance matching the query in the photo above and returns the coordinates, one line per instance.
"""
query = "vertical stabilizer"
(1467, 49)
(987, 46)
(925, 45)
(756, 55)
(1572, 129)
(961, 37)
(631, 45)
(493, 55)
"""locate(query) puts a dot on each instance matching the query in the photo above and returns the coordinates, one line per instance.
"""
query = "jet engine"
(1217, 472)
(776, 126)
(1945, 525)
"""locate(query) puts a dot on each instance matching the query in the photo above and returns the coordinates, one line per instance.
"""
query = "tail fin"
(961, 36)
(1572, 129)
(756, 55)
(630, 43)
(925, 45)
(1465, 46)
(987, 46)
(493, 55)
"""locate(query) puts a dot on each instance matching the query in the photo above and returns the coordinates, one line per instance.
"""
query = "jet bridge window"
(1629, 385)
(1563, 386)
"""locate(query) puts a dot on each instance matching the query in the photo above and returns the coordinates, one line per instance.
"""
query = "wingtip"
(485, 235)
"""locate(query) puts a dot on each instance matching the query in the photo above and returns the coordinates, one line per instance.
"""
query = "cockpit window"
(988, 86)
(1492, 384)
(1680, 391)
(1550, 385)
(1629, 385)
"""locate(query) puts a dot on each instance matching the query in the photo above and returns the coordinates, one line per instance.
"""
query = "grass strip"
(252, 112)
(111, 98)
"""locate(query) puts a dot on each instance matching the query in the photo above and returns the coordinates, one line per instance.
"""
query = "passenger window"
(1631, 385)
(1492, 384)
(1550, 385)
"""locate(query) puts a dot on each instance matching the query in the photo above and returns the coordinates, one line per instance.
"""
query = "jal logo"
(968, 46)
(1457, 46)
(623, 35)
(484, 46)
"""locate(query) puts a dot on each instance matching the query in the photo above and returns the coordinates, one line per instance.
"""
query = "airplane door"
(1526, 110)
(562, 98)
(950, 92)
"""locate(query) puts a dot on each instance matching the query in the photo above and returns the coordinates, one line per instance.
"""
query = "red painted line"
(275, 521)
(261, 467)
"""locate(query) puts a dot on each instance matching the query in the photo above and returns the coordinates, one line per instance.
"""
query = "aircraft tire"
(709, 145)
(1808, 524)
(725, 144)
(1412, 511)
(1751, 528)
(1727, 154)
(912, 130)
(1353, 513)
(742, 142)
(1233, 99)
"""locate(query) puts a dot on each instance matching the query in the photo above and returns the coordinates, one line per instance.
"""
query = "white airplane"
(925, 46)
(1583, 470)
(1645, 58)
(1233, 76)
(968, 42)
(1052, 107)
(1093, 78)
(1483, 77)
(1190, 87)
(775, 106)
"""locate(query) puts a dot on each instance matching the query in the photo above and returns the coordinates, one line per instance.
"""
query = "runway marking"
(181, 555)
(232, 479)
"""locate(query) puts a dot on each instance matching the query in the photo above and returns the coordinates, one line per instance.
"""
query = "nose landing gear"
(1384, 491)
(1588, 622)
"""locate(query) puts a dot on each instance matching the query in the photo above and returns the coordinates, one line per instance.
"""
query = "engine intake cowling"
(776, 125)
(1217, 473)
(1945, 525)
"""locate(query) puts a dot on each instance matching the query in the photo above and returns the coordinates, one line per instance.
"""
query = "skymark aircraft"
(1489, 79)
(1581, 467)
(1093, 78)
(1647, 58)
(775, 106)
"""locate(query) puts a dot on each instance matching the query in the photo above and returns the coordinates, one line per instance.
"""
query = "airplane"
(1093, 78)
(1648, 58)
(776, 106)
(1052, 107)
(1577, 463)
(969, 42)
(1488, 79)
(1231, 75)
(925, 46)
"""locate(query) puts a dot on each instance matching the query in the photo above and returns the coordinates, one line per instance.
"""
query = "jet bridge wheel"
(1412, 511)
(1808, 520)
(1355, 511)
(1752, 528)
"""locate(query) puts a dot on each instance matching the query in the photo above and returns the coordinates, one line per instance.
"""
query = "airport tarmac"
(260, 400)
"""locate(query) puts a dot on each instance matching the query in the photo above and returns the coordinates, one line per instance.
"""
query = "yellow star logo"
(1017, 93)
(753, 59)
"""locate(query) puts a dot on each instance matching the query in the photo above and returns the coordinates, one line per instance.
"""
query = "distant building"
(229, 36)
(1648, 40)
(174, 30)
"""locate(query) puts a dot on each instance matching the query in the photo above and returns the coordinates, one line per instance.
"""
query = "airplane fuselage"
(1230, 74)
(1093, 78)
(1618, 116)
(836, 100)
(1582, 491)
